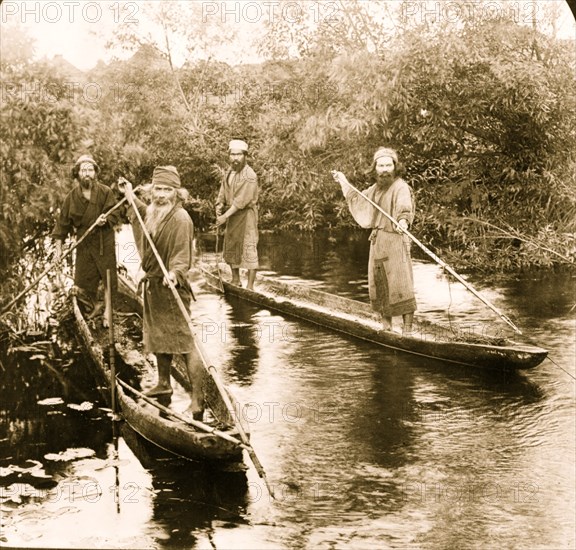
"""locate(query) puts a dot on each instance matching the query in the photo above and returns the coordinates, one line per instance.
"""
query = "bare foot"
(407, 330)
(96, 311)
(386, 322)
(195, 413)
(159, 390)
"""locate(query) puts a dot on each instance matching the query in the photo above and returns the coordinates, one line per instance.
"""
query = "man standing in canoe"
(390, 279)
(237, 207)
(166, 330)
(85, 205)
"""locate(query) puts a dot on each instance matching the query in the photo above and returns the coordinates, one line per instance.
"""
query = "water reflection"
(320, 256)
(70, 459)
(188, 496)
(388, 411)
(399, 449)
(551, 297)
(243, 340)
(29, 428)
(367, 448)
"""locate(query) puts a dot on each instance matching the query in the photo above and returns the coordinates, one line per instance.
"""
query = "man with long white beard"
(84, 205)
(390, 278)
(166, 330)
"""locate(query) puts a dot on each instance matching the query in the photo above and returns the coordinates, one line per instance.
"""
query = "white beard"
(155, 214)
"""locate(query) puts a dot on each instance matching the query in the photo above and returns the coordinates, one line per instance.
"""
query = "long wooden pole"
(191, 422)
(111, 346)
(438, 260)
(53, 264)
(217, 263)
(209, 367)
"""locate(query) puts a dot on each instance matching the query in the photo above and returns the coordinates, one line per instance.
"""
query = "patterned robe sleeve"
(247, 191)
(362, 211)
(404, 204)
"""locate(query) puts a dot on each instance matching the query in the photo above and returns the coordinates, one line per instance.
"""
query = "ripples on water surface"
(365, 448)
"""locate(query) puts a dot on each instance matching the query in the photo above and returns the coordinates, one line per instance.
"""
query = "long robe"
(390, 278)
(96, 253)
(165, 327)
(241, 236)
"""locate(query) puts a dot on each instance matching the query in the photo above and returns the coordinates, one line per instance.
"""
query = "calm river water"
(366, 448)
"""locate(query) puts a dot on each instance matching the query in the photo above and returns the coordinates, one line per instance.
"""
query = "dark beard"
(385, 179)
(86, 183)
(238, 165)
(155, 215)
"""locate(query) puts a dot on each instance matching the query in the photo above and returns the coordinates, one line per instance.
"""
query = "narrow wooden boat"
(135, 372)
(357, 319)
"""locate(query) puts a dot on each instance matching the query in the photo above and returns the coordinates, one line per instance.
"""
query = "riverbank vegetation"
(480, 107)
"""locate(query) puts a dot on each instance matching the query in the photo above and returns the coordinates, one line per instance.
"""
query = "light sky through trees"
(80, 30)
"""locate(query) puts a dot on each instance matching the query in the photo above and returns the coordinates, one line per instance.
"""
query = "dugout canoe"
(135, 371)
(357, 319)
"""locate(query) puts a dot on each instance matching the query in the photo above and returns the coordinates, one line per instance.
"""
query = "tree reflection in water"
(59, 455)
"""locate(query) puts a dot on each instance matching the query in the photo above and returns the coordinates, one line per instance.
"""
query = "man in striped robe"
(390, 278)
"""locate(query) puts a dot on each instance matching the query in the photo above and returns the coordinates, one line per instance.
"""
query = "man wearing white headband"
(237, 207)
(390, 278)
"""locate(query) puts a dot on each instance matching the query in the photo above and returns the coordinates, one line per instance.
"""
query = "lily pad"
(70, 454)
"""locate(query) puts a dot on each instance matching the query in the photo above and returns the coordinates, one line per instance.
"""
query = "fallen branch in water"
(512, 233)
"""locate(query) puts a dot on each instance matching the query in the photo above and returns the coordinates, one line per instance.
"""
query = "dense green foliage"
(38, 128)
(481, 111)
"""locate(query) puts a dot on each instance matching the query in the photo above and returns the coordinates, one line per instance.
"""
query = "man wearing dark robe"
(390, 278)
(166, 330)
(85, 204)
(237, 207)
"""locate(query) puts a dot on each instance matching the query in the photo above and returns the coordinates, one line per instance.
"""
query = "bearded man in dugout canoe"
(166, 330)
(237, 207)
(390, 279)
(84, 206)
